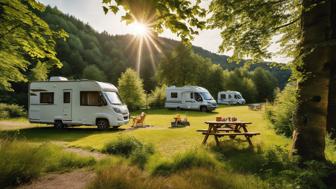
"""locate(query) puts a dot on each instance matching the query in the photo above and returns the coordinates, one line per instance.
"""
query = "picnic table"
(227, 128)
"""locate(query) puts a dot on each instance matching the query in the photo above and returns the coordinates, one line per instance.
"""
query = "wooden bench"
(247, 135)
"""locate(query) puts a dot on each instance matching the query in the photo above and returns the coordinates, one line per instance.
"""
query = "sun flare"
(139, 29)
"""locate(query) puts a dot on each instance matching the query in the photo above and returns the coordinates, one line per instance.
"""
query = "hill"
(111, 55)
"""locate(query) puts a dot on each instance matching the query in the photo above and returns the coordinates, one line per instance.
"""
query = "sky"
(91, 12)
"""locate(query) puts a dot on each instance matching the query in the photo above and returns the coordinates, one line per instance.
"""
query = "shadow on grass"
(174, 112)
(252, 160)
(45, 134)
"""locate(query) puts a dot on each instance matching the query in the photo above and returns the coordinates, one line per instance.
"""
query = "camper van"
(79, 102)
(189, 97)
(230, 97)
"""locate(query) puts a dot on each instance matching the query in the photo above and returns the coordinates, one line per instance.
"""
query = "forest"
(87, 54)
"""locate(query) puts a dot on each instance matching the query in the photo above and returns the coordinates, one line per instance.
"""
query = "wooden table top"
(227, 122)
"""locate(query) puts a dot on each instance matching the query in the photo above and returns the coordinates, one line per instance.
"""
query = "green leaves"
(26, 42)
(249, 26)
(180, 16)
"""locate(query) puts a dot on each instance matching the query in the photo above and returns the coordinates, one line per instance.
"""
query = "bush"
(131, 148)
(21, 162)
(277, 168)
(188, 160)
(157, 97)
(11, 111)
(281, 113)
(131, 89)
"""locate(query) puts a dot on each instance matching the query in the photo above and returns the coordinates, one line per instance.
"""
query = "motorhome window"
(173, 95)
(198, 97)
(237, 97)
(90, 98)
(66, 97)
(223, 96)
(47, 98)
(229, 96)
(191, 95)
(113, 98)
(206, 96)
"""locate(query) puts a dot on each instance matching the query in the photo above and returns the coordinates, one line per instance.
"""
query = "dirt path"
(10, 125)
(77, 179)
(83, 152)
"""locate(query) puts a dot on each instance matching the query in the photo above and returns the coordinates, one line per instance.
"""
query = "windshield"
(238, 97)
(113, 98)
(206, 96)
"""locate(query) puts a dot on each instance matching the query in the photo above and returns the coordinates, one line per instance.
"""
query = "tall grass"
(184, 161)
(277, 168)
(21, 162)
(121, 176)
(129, 147)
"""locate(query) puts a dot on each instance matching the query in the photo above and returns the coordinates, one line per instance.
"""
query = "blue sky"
(91, 12)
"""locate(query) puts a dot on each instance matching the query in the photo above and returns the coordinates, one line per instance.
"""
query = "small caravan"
(189, 97)
(230, 97)
(79, 102)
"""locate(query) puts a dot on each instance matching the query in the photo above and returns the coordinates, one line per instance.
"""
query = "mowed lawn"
(167, 141)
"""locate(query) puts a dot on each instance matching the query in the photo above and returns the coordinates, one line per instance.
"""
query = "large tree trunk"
(331, 119)
(311, 114)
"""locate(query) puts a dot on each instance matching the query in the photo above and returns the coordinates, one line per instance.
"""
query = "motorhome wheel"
(58, 124)
(102, 124)
(204, 109)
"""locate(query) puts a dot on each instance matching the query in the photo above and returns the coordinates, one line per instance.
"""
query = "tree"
(94, 73)
(26, 43)
(265, 84)
(179, 67)
(239, 80)
(247, 29)
(131, 89)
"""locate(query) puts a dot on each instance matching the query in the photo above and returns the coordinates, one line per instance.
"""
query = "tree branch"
(287, 24)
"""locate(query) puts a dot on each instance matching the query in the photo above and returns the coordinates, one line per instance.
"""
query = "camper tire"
(102, 124)
(58, 124)
(204, 109)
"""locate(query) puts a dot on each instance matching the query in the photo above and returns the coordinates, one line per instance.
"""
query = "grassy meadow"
(160, 156)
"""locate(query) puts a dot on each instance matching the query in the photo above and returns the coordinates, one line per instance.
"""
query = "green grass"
(234, 164)
(21, 161)
(166, 141)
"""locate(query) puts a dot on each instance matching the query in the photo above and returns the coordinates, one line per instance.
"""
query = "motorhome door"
(67, 101)
(187, 100)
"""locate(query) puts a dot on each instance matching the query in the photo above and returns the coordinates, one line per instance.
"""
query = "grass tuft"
(21, 162)
(131, 148)
(187, 160)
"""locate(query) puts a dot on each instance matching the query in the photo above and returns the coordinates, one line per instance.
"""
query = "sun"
(139, 29)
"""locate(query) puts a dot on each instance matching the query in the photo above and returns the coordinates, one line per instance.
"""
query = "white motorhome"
(79, 102)
(189, 97)
(230, 97)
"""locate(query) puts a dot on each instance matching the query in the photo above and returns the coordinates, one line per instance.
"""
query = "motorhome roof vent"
(58, 78)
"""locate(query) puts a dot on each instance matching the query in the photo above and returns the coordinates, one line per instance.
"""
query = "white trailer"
(189, 97)
(230, 97)
(78, 102)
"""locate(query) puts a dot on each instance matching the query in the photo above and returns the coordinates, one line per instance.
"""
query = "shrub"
(131, 148)
(11, 111)
(188, 160)
(157, 97)
(281, 113)
(131, 90)
(21, 162)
